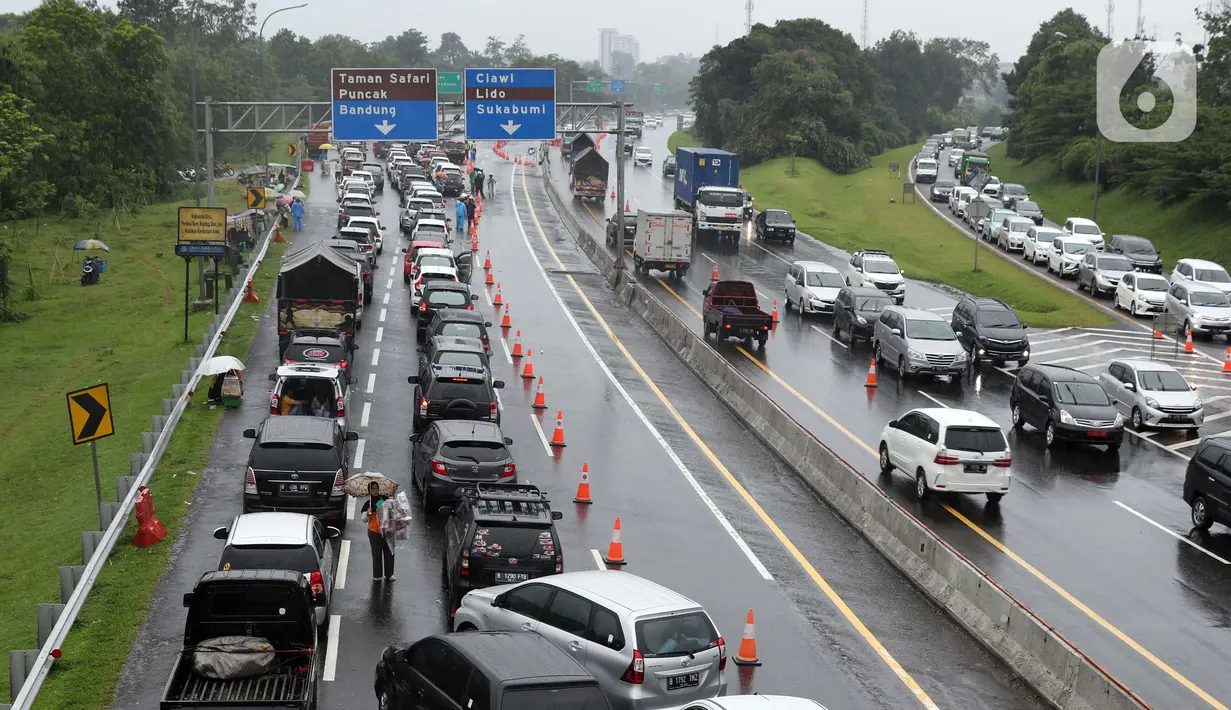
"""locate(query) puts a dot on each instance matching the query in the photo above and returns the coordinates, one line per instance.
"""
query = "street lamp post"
(261, 57)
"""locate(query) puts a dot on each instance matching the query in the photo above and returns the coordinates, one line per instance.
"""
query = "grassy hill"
(1186, 229)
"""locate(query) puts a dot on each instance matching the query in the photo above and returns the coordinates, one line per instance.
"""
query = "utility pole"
(619, 239)
(748, 17)
(863, 30)
(1111, 10)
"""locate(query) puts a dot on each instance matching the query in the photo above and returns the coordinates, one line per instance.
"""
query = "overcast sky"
(689, 26)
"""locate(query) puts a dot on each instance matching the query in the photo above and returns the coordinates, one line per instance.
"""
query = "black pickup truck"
(274, 605)
(731, 310)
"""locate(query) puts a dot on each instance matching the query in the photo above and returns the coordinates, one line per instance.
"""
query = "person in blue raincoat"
(297, 214)
(460, 213)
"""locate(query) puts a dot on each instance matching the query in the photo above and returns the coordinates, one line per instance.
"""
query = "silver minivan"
(918, 342)
(649, 647)
(1201, 309)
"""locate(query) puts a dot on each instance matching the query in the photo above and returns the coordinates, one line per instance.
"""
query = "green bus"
(974, 167)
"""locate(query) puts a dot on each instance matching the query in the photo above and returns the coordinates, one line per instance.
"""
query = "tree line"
(95, 103)
(1054, 115)
(804, 88)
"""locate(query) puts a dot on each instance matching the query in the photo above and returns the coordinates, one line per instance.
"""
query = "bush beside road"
(682, 138)
(854, 211)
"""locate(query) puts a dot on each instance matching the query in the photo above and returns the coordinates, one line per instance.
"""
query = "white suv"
(1066, 255)
(875, 268)
(1037, 246)
(643, 156)
(1085, 229)
(812, 287)
(948, 450)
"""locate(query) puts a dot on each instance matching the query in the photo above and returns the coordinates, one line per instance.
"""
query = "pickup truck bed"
(284, 685)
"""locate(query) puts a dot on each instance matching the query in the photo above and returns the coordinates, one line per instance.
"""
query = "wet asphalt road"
(1098, 544)
(668, 472)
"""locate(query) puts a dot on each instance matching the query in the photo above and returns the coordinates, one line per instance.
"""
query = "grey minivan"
(1198, 308)
(918, 342)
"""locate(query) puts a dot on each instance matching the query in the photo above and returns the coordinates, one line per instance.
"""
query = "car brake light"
(439, 467)
(509, 470)
(636, 670)
(423, 305)
(337, 484)
(423, 406)
(944, 459)
(317, 582)
(273, 404)
(470, 307)
(722, 654)
(1003, 463)
(493, 411)
(341, 407)
(250, 482)
(465, 567)
(559, 563)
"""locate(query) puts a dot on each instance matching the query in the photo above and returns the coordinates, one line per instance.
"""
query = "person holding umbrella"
(384, 516)
(382, 551)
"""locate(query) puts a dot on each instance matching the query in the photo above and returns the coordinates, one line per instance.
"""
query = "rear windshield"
(974, 439)
(428, 229)
(314, 353)
(447, 299)
(476, 451)
(577, 698)
(454, 357)
(285, 456)
(1085, 229)
(1079, 393)
(524, 543)
(678, 635)
(436, 260)
(300, 558)
(254, 601)
(364, 210)
(462, 330)
(475, 391)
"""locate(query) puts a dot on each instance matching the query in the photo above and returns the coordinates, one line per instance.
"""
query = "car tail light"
(317, 583)
(470, 307)
(250, 482)
(1003, 462)
(423, 406)
(340, 406)
(273, 404)
(559, 563)
(423, 306)
(509, 470)
(337, 484)
(439, 467)
(494, 411)
(636, 670)
(722, 654)
(465, 567)
(944, 459)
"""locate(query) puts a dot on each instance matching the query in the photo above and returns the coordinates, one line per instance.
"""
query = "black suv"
(856, 310)
(499, 534)
(669, 165)
(319, 346)
(449, 454)
(485, 670)
(463, 324)
(1207, 484)
(455, 392)
(1066, 404)
(297, 465)
(453, 350)
(1139, 250)
(630, 229)
(990, 330)
(438, 294)
(775, 224)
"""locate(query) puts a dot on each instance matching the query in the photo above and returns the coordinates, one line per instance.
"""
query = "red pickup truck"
(731, 310)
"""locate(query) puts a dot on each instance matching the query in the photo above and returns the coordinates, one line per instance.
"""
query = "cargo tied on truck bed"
(318, 287)
(731, 310)
(588, 175)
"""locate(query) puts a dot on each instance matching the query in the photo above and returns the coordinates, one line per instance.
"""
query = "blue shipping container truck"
(702, 167)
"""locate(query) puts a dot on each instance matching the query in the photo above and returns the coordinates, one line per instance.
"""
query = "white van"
(925, 170)
(663, 241)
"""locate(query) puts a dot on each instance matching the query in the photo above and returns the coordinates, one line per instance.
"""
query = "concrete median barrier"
(1061, 674)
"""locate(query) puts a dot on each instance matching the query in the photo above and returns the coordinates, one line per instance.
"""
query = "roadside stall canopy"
(319, 273)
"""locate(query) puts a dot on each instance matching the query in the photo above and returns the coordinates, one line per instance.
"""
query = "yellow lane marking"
(769, 522)
(1047, 581)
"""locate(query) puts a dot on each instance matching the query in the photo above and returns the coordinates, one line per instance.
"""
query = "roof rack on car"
(509, 492)
(316, 332)
(877, 252)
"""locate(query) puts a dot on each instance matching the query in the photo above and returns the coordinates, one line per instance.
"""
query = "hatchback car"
(1037, 245)
(311, 389)
(1199, 309)
(950, 450)
(775, 224)
(812, 287)
(648, 646)
(1083, 228)
(298, 465)
(1064, 258)
(1152, 394)
(1203, 273)
(452, 350)
(438, 294)
(990, 330)
(1100, 273)
(1139, 250)
(449, 454)
(918, 342)
(283, 541)
(1141, 294)
(1065, 403)
(1207, 483)
(941, 189)
(856, 311)
(1012, 193)
(643, 157)
(1030, 210)
(959, 198)
(1012, 233)
(990, 225)
(454, 392)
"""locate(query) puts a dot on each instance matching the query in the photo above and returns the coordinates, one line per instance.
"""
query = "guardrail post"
(90, 540)
(124, 484)
(200, 351)
(194, 363)
(157, 421)
(20, 663)
(48, 615)
(70, 576)
(135, 463)
(168, 404)
(185, 377)
(147, 442)
(107, 510)
(177, 391)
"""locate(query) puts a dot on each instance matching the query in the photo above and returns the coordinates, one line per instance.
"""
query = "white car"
(960, 197)
(812, 287)
(1084, 228)
(955, 156)
(1200, 271)
(1152, 394)
(365, 176)
(373, 225)
(875, 268)
(1037, 245)
(1066, 255)
(436, 198)
(1141, 294)
(926, 170)
(431, 229)
(948, 450)
(410, 212)
(1012, 234)
(352, 185)
(430, 273)
(643, 156)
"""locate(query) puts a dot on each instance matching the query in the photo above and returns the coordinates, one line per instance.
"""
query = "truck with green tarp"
(974, 169)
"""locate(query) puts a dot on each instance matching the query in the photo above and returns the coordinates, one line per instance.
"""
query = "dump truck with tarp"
(588, 176)
(580, 143)
(318, 287)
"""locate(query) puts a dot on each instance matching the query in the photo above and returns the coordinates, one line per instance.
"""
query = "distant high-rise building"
(610, 41)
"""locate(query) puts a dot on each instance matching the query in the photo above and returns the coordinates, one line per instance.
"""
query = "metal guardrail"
(72, 607)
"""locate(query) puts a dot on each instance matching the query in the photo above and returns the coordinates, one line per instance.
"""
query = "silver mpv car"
(918, 342)
(648, 646)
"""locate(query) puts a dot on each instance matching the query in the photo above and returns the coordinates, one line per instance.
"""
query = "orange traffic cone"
(1226, 363)
(628, 206)
(747, 654)
(527, 371)
(516, 345)
(557, 436)
(498, 301)
(1188, 341)
(1158, 334)
(583, 488)
(871, 374)
(250, 297)
(540, 397)
(613, 193)
(278, 236)
(487, 261)
(505, 323)
(474, 243)
(714, 275)
(774, 313)
(615, 551)
(489, 281)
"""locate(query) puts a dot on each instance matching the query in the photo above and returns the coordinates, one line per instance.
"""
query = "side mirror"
(1130, 386)
(249, 433)
(404, 250)
(413, 379)
(508, 441)
(497, 601)
(351, 436)
(331, 532)
(221, 533)
(351, 380)
(498, 384)
(901, 272)
(415, 437)
(1192, 387)
(474, 296)
(188, 597)
(896, 331)
(893, 423)
(273, 377)
(378, 214)
(557, 515)
(487, 324)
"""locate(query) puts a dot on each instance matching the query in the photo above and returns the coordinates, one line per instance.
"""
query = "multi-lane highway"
(705, 508)
(1097, 543)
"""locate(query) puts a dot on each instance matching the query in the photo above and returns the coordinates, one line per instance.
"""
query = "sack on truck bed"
(233, 657)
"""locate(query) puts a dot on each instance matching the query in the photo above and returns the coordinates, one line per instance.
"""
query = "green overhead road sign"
(449, 82)
(594, 86)
(660, 89)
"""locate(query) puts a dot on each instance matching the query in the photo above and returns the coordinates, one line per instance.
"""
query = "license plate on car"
(1178, 418)
(1096, 433)
(295, 489)
(688, 680)
(512, 576)
(975, 468)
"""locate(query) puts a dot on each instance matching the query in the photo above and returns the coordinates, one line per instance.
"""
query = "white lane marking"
(357, 464)
(386, 301)
(507, 355)
(1079, 346)
(351, 504)
(383, 312)
(339, 579)
(598, 559)
(1172, 533)
(371, 382)
(488, 296)
(827, 335)
(367, 411)
(1146, 437)
(331, 653)
(380, 334)
(767, 251)
(392, 269)
(675, 459)
(937, 401)
(1102, 353)
(389, 284)
(375, 356)
(707, 256)
(1182, 445)
(1221, 415)
(542, 436)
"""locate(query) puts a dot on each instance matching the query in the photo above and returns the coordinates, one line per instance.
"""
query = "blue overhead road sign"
(617, 86)
(511, 104)
(384, 104)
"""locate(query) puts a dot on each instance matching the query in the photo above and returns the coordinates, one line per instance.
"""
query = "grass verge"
(854, 211)
(1193, 228)
(128, 332)
(682, 138)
